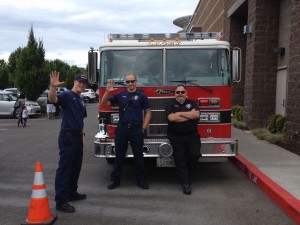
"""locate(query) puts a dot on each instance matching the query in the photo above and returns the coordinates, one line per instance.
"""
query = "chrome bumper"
(210, 147)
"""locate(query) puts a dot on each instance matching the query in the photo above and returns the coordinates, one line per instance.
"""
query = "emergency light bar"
(167, 36)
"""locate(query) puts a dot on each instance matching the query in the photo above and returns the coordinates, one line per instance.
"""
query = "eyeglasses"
(180, 92)
(130, 81)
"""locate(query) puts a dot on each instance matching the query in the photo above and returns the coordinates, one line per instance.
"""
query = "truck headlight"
(114, 118)
(209, 117)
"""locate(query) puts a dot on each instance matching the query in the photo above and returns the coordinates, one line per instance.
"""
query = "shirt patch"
(188, 106)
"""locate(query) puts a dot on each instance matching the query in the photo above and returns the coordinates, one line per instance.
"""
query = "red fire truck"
(202, 62)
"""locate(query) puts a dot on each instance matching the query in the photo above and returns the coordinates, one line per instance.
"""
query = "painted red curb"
(279, 195)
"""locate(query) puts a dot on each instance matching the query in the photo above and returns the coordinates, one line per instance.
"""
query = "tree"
(12, 66)
(66, 73)
(29, 71)
(60, 66)
(31, 75)
(4, 74)
(73, 71)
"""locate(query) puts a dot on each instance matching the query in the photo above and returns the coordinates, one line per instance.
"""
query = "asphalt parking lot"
(221, 193)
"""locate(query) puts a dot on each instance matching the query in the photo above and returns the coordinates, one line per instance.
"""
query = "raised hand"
(54, 79)
(110, 86)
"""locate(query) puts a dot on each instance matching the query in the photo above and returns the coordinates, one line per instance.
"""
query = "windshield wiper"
(192, 82)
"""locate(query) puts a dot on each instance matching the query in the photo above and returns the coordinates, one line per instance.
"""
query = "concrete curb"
(289, 204)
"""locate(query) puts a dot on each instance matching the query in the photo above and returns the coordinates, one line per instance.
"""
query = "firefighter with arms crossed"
(182, 116)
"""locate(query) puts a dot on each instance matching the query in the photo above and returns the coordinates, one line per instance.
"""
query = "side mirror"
(236, 64)
(92, 66)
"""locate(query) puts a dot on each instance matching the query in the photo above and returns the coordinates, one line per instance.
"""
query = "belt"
(130, 125)
(71, 133)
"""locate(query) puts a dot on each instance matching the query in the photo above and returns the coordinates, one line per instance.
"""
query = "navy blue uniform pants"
(69, 166)
(186, 152)
(134, 135)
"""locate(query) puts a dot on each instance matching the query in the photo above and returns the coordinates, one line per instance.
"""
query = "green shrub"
(265, 134)
(274, 138)
(239, 124)
(260, 133)
(238, 112)
(234, 109)
(280, 124)
(276, 124)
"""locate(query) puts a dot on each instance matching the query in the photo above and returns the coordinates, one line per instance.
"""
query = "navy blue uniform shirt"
(73, 110)
(131, 106)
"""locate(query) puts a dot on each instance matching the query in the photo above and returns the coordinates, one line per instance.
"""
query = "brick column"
(233, 33)
(293, 95)
(261, 62)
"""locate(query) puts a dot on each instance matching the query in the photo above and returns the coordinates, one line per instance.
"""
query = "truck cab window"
(146, 64)
(201, 66)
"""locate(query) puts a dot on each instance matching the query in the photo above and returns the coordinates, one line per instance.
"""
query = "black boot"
(186, 188)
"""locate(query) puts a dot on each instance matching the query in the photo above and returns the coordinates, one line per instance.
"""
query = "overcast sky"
(68, 28)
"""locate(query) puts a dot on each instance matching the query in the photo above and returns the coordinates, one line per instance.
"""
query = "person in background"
(131, 128)
(25, 116)
(70, 141)
(20, 102)
(57, 111)
(51, 109)
(182, 116)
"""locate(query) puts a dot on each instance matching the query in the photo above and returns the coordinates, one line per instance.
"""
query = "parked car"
(34, 109)
(60, 89)
(13, 90)
(97, 94)
(42, 100)
(7, 101)
(88, 95)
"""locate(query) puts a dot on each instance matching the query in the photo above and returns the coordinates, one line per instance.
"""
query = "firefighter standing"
(70, 141)
(182, 115)
(131, 127)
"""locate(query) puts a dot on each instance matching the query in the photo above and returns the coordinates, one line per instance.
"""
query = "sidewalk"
(274, 169)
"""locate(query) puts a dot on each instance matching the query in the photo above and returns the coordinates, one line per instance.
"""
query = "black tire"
(86, 99)
(110, 160)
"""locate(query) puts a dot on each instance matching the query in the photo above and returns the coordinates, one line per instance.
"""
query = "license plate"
(165, 162)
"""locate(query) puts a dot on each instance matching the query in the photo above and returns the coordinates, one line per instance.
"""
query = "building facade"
(267, 32)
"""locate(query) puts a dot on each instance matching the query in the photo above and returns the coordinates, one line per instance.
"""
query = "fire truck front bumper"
(160, 148)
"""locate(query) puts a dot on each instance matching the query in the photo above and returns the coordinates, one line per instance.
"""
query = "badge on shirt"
(188, 106)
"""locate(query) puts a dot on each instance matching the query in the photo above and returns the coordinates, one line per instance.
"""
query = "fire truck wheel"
(110, 160)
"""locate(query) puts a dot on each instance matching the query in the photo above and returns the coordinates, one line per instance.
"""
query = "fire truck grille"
(159, 103)
(158, 123)
(158, 117)
(157, 130)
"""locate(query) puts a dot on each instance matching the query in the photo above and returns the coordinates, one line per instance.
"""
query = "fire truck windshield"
(204, 67)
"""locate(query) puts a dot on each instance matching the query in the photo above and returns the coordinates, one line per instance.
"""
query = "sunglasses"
(180, 92)
(130, 81)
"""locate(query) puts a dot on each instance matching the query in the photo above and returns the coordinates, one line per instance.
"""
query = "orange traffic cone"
(39, 210)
